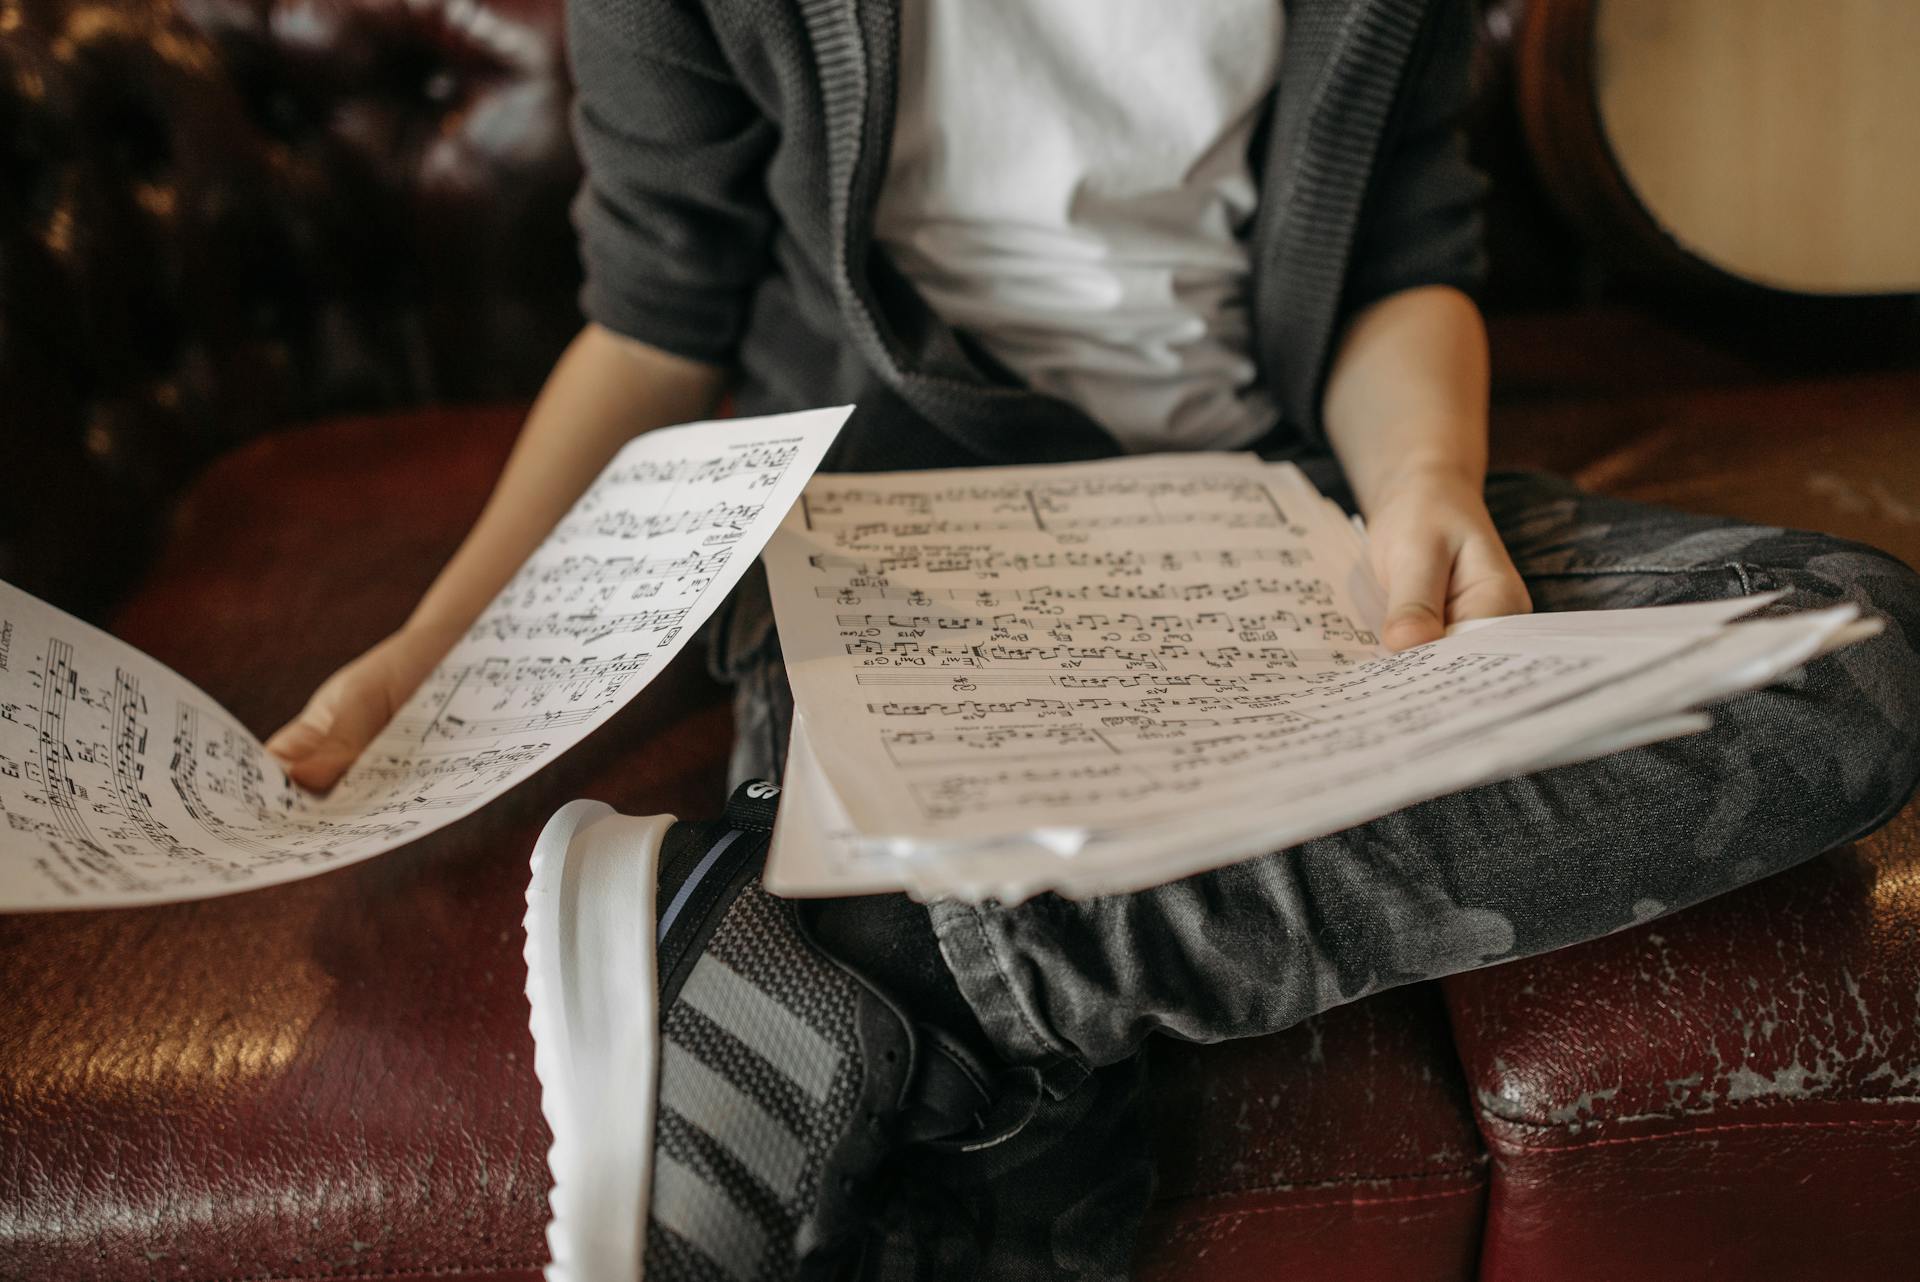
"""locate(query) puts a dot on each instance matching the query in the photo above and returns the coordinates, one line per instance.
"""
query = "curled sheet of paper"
(121, 783)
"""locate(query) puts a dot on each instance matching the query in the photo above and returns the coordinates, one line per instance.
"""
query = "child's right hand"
(351, 707)
(605, 391)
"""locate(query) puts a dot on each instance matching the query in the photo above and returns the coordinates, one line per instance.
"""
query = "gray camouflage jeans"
(1500, 872)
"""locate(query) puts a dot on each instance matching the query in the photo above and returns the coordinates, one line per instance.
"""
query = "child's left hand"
(1437, 553)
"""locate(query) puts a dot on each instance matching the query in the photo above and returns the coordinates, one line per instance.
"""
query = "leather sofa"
(275, 278)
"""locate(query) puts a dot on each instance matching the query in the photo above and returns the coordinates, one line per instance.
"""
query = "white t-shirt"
(1070, 184)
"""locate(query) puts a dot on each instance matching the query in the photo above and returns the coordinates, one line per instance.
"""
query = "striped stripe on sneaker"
(761, 1072)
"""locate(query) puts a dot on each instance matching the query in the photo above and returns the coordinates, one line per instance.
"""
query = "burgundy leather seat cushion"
(1733, 1091)
(1341, 1149)
(334, 1078)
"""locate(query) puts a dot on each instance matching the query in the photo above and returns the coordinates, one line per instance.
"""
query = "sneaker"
(720, 1090)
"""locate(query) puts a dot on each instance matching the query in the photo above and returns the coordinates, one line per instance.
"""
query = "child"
(1028, 230)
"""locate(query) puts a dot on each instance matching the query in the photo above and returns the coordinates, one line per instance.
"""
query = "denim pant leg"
(1507, 870)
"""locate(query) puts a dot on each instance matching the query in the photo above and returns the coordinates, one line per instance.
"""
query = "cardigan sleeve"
(1423, 223)
(672, 213)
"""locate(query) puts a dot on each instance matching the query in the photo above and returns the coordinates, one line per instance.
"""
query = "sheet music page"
(1642, 707)
(818, 851)
(1058, 653)
(121, 783)
(996, 643)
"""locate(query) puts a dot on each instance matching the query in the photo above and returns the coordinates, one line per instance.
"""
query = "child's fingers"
(316, 747)
(1417, 571)
(1485, 584)
(312, 755)
(300, 737)
(294, 741)
(321, 768)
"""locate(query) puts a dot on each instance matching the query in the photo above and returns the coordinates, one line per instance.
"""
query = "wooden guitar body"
(1776, 142)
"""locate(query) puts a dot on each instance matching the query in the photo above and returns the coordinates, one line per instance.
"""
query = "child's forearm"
(1407, 394)
(1406, 411)
(603, 392)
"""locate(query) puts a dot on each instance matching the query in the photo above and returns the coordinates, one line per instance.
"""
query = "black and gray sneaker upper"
(785, 1078)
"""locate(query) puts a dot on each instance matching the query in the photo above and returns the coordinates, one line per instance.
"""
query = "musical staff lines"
(1035, 623)
(855, 513)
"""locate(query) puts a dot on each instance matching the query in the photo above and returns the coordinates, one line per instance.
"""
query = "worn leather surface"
(1734, 1091)
(1841, 455)
(1343, 1148)
(331, 1079)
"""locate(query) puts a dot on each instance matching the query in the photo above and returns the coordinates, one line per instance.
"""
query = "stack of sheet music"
(1096, 677)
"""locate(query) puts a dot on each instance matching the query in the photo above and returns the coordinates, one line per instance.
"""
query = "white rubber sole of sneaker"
(594, 996)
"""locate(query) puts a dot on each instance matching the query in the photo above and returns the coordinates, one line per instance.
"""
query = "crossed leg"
(1493, 874)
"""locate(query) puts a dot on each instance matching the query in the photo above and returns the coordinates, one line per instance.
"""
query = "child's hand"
(351, 707)
(1438, 555)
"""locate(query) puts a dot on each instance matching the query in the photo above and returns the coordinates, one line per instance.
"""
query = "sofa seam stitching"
(1348, 1179)
(1248, 1212)
(1805, 1124)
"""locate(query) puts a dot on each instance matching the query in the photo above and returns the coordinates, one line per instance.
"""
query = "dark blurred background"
(220, 217)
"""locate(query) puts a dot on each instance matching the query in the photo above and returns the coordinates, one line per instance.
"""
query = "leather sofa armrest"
(1733, 1091)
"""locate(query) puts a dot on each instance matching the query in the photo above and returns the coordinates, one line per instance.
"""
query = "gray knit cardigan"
(734, 152)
